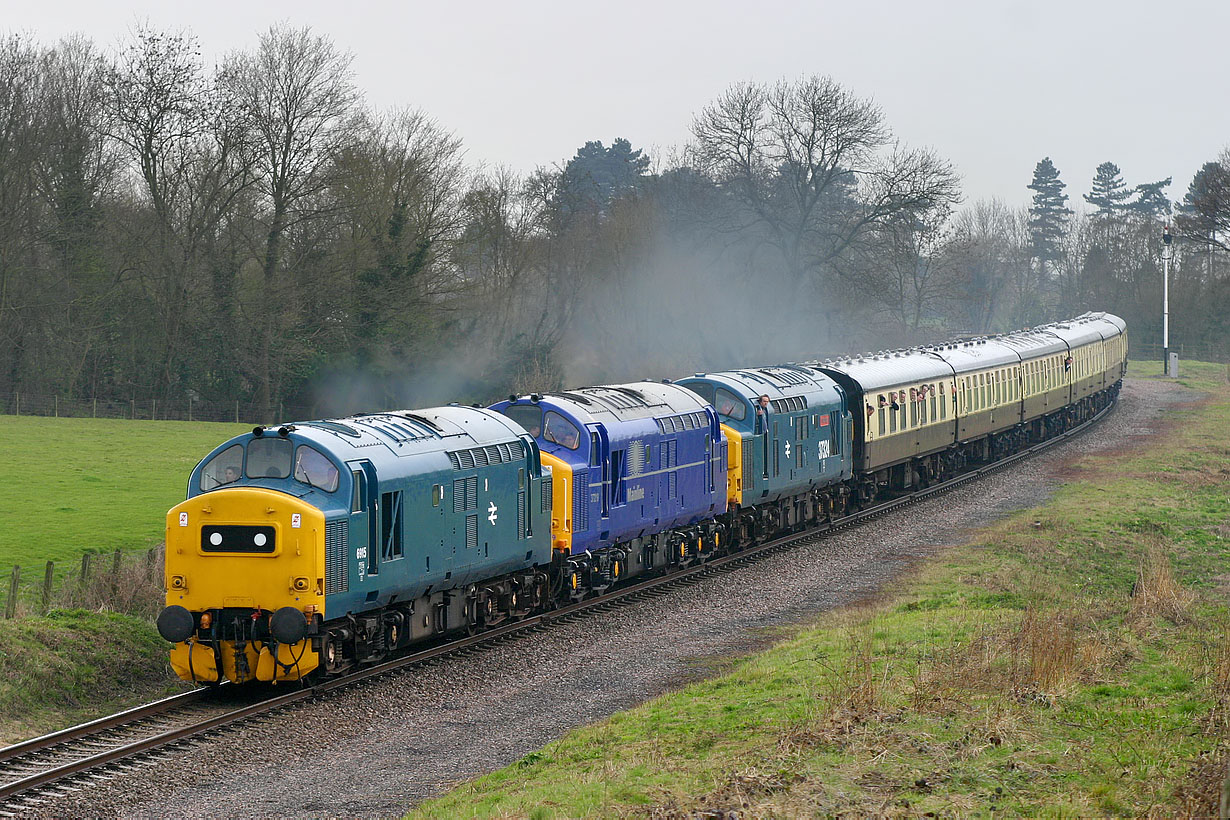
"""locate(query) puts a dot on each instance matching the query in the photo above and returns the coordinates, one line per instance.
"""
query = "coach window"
(223, 468)
(313, 468)
(269, 458)
(931, 393)
(881, 413)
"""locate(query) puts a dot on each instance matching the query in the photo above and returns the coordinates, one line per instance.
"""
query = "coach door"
(364, 519)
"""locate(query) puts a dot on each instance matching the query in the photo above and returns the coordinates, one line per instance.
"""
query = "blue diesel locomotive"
(329, 543)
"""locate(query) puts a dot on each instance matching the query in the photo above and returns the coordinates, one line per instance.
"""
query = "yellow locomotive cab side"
(561, 503)
(734, 467)
(244, 552)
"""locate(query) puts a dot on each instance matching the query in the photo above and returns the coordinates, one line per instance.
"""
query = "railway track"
(50, 766)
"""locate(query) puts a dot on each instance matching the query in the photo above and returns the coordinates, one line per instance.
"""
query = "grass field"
(70, 666)
(69, 486)
(1072, 660)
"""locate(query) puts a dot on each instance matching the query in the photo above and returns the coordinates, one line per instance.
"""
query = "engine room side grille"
(521, 514)
(465, 494)
(471, 531)
(546, 493)
(336, 575)
(747, 457)
(636, 458)
(580, 501)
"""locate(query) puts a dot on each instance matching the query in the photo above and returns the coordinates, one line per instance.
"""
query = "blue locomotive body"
(794, 439)
(414, 519)
(640, 459)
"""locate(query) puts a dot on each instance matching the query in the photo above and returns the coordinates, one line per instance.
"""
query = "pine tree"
(1204, 213)
(1150, 202)
(598, 175)
(1109, 193)
(1048, 215)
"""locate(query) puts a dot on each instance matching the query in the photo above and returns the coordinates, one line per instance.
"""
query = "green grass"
(68, 486)
(1072, 660)
(72, 666)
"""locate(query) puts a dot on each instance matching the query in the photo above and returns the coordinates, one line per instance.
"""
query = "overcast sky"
(992, 86)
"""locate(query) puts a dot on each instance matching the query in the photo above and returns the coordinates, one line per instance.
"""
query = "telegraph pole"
(1166, 240)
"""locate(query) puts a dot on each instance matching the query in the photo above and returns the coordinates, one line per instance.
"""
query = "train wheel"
(331, 654)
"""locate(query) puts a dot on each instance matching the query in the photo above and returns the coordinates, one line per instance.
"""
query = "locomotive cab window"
(561, 431)
(222, 469)
(528, 416)
(728, 405)
(269, 458)
(356, 493)
(313, 468)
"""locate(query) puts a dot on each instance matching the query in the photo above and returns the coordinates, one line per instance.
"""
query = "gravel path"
(391, 744)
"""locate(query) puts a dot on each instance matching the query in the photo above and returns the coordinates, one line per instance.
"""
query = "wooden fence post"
(85, 572)
(11, 609)
(51, 569)
(115, 575)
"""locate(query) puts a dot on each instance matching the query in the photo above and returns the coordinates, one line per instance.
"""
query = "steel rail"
(620, 596)
(103, 724)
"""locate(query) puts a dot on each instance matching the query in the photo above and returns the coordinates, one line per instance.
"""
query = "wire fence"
(130, 582)
(1152, 351)
(34, 404)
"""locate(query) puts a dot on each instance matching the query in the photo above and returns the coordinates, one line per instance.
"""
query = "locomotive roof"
(398, 443)
(404, 432)
(777, 381)
(624, 402)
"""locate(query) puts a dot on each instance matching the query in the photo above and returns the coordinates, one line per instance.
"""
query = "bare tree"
(177, 133)
(989, 249)
(19, 147)
(297, 98)
(76, 177)
(814, 166)
(402, 198)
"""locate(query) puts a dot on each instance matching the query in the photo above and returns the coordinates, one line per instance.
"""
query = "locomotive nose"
(176, 623)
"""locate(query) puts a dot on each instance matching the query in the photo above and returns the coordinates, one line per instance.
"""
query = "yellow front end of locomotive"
(244, 552)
